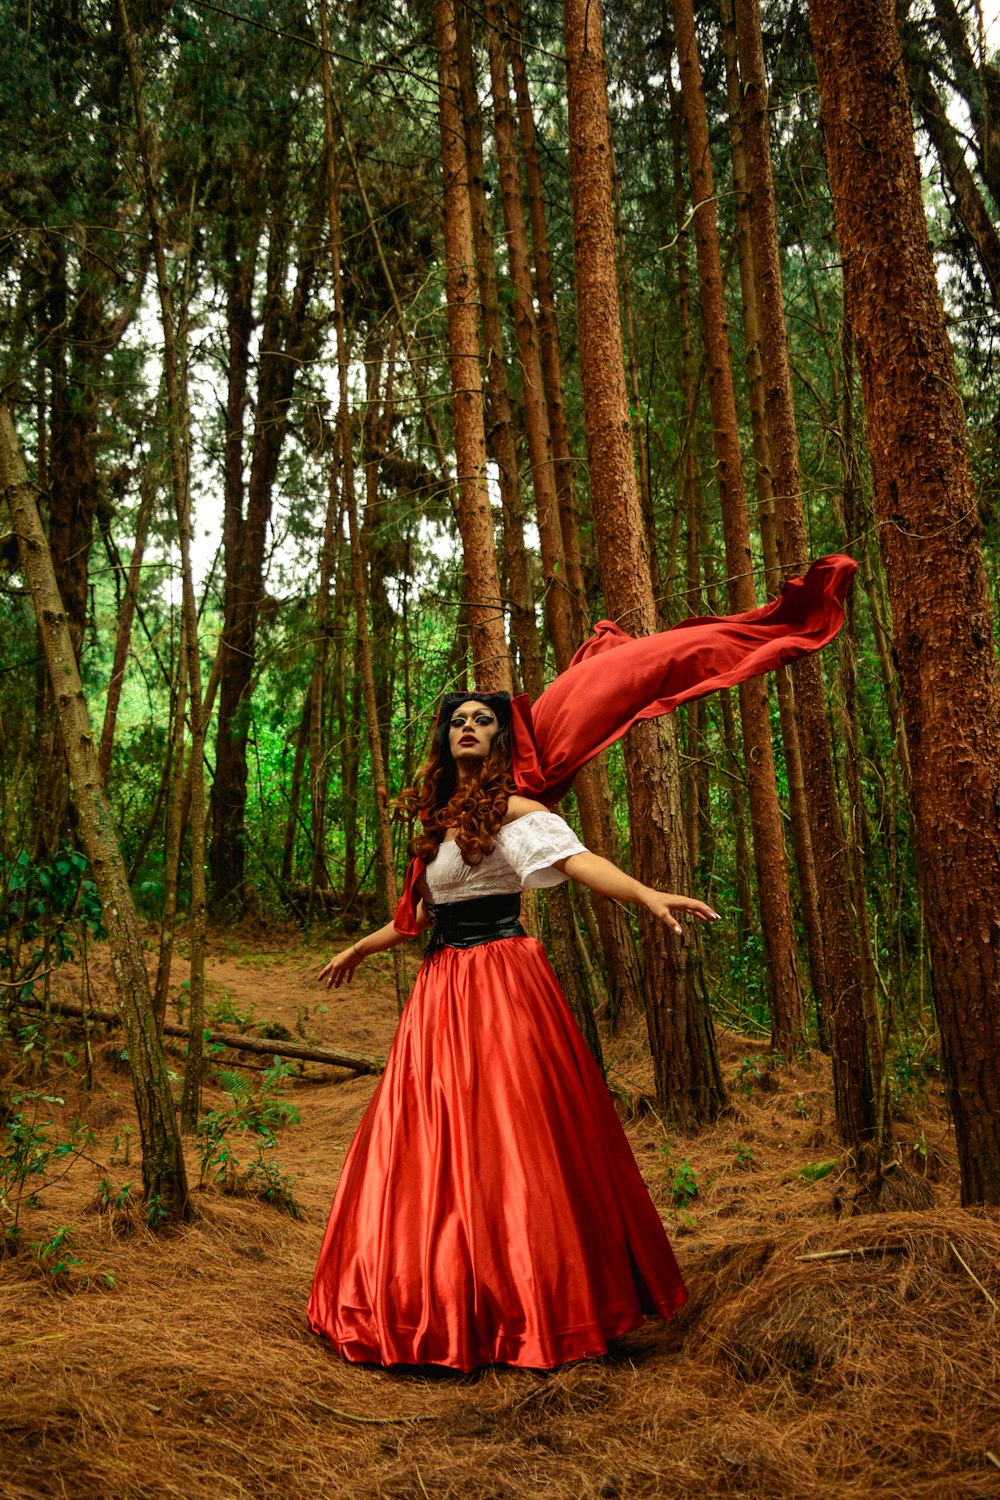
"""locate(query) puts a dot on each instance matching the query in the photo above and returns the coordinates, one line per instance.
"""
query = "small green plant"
(28, 1154)
(273, 1031)
(910, 1068)
(120, 1208)
(223, 1011)
(254, 1117)
(744, 1155)
(747, 1074)
(109, 1197)
(815, 1171)
(53, 1256)
(683, 1185)
(801, 1107)
(156, 1214)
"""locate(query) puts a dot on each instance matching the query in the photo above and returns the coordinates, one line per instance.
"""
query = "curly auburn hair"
(475, 810)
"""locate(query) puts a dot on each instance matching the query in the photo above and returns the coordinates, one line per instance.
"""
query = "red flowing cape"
(615, 680)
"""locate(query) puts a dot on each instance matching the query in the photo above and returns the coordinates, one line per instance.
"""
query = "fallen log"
(266, 1046)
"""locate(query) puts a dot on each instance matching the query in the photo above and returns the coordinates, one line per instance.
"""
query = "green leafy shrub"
(28, 1154)
(252, 1120)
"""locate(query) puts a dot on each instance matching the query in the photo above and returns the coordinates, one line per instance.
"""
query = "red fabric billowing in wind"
(615, 680)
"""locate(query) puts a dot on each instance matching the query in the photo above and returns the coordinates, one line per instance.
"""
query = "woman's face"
(471, 731)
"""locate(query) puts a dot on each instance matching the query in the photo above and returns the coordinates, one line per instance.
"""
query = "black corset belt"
(466, 924)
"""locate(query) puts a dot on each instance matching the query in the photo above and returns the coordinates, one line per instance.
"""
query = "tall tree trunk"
(538, 353)
(376, 425)
(163, 1174)
(558, 603)
(490, 659)
(180, 474)
(348, 719)
(303, 743)
(173, 836)
(857, 1062)
(798, 807)
(245, 541)
(126, 614)
(925, 499)
(787, 1018)
(688, 1081)
(317, 712)
(359, 562)
(502, 438)
(548, 327)
(969, 208)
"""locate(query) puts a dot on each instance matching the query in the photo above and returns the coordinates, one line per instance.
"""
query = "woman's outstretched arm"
(342, 967)
(606, 879)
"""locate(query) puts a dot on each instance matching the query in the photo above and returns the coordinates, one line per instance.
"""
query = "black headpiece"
(498, 702)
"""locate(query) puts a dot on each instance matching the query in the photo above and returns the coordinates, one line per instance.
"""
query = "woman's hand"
(663, 905)
(340, 968)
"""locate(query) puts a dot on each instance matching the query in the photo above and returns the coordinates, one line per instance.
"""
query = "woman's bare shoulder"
(520, 807)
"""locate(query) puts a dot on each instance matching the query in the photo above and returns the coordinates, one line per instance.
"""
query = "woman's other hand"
(664, 905)
(340, 969)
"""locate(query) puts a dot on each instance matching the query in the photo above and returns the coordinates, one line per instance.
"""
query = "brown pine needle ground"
(193, 1376)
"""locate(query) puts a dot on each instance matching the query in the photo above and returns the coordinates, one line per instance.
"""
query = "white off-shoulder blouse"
(523, 855)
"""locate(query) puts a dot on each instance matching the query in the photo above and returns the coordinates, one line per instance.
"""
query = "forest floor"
(180, 1365)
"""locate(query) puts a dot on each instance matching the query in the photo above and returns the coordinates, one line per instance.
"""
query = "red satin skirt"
(490, 1209)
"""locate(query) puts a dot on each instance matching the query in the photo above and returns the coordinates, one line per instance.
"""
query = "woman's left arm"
(606, 879)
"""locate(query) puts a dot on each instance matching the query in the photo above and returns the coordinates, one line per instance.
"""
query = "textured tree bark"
(548, 446)
(640, 435)
(303, 743)
(376, 425)
(502, 440)
(173, 837)
(359, 561)
(805, 864)
(688, 1081)
(348, 721)
(490, 659)
(163, 1174)
(245, 539)
(317, 710)
(548, 327)
(787, 1016)
(179, 448)
(558, 603)
(925, 500)
(123, 636)
(857, 1061)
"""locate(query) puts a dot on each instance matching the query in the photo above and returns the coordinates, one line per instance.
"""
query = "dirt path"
(191, 1374)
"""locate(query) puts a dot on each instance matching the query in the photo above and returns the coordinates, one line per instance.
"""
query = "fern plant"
(251, 1120)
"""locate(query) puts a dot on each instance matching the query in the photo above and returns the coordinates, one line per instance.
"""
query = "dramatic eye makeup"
(484, 720)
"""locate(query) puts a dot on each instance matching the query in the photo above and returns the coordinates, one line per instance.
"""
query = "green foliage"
(815, 1171)
(29, 1153)
(744, 1154)
(223, 1011)
(51, 906)
(114, 1200)
(53, 1256)
(911, 1065)
(747, 1074)
(683, 1181)
(254, 1117)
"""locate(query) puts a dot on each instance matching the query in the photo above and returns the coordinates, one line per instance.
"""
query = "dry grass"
(871, 1374)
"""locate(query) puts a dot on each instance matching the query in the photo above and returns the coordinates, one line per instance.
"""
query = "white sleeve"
(531, 844)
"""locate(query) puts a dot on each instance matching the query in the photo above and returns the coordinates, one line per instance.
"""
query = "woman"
(490, 1209)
